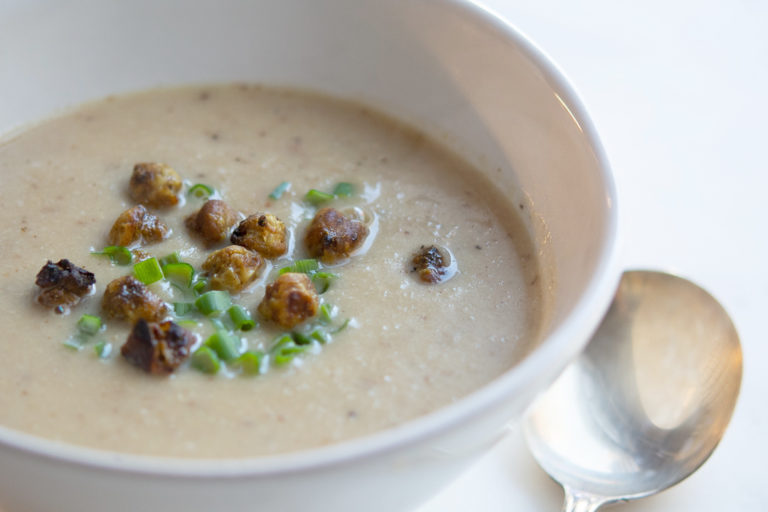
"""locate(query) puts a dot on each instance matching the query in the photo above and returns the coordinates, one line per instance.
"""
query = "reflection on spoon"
(649, 399)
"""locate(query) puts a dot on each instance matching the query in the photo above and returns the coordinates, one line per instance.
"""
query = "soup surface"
(409, 348)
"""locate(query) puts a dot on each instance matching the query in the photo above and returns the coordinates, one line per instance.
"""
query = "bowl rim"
(564, 343)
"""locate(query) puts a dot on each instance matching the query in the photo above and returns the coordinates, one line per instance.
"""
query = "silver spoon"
(649, 399)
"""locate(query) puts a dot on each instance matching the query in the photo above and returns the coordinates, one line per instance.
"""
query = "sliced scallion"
(344, 189)
(213, 302)
(342, 326)
(284, 350)
(320, 335)
(205, 360)
(280, 190)
(225, 344)
(182, 289)
(323, 280)
(281, 340)
(201, 191)
(74, 343)
(241, 318)
(307, 266)
(171, 258)
(250, 362)
(326, 313)
(117, 254)
(317, 197)
(148, 271)
(103, 349)
(180, 273)
(301, 338)
(217, 324)
(199, 286)
(89, 325)
(286, 353)
(183, 308)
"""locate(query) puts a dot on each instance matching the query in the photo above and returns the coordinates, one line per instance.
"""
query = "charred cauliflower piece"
(263, 233)
(63, 284)
(430, 264)
(290, 300)
(127, 298)
(233, 268)
(157, 348)
(139, 255)
(137, 224)
(154, 184)
(212, 221)
(332, 237)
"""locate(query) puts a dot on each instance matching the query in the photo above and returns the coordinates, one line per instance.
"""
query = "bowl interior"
(456, 73)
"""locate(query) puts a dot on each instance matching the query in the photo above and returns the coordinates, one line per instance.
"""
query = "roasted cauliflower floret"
(263, 233)
(127, 298)
(430, 264)
(157, 348)
(139, 255)
(212, 221)
(63, 284)
(332, 237)
(290, 300)
(137, 224)
(155, 184)
(233, 268)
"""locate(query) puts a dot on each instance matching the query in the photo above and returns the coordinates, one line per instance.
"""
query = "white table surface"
(677, 90)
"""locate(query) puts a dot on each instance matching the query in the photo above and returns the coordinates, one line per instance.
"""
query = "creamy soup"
(409, 347)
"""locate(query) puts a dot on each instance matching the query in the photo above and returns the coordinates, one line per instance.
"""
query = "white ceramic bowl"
(449, 67)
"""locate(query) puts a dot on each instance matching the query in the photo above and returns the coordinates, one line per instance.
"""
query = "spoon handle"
(576, 501)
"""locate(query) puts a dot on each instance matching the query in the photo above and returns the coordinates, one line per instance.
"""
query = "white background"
(677, 90)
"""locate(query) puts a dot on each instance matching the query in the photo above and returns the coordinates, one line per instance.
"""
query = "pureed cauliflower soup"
(302, 271)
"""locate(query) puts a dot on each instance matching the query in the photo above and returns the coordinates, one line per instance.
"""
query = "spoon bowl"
(649, 399)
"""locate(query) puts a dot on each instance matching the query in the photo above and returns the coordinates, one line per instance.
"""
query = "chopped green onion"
(241, 318)
(117, 254)
(327, 313)
(148, 271)
(199, 286)
(316, 197)
(188, 324)
(103, 349)
(217, 324)
(183, 308)
(225, 344)
(180, 273)
(213, 302)
(321, 336)
(323, 280)
(307, 266)
(344, 189)
(279, 190)
(205, 360)
(342, 326)
(180, 288)
(285, 353)
(285, 349)
(74, 343)
(300, 338)
(250, 362)
(171, 258)
(284, 339)
(200, 191)
(89, 324)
